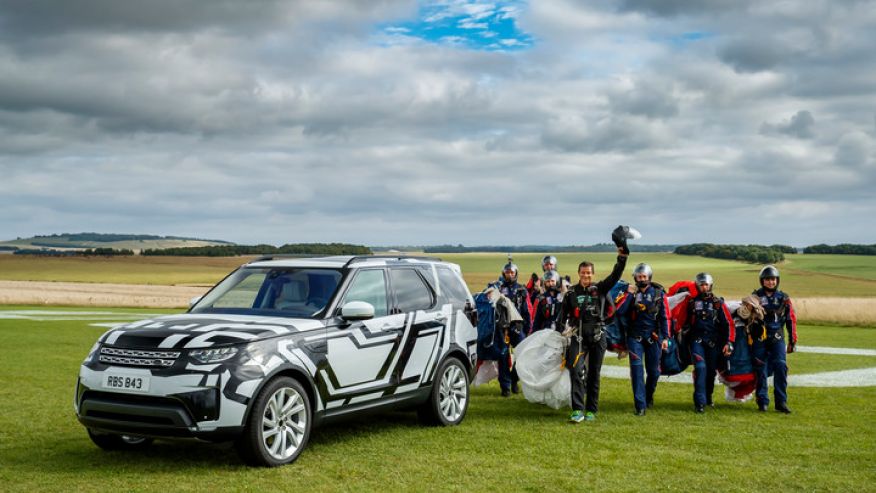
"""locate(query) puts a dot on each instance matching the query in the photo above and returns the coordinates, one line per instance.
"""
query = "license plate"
(126, 382)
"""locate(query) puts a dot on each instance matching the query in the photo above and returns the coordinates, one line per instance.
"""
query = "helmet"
(643, 269)
(704, 278)
(510, 266)
(551, 275)
(769, 271)
(548, 259)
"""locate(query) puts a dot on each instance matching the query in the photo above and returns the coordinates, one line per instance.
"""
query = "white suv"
(281, 345)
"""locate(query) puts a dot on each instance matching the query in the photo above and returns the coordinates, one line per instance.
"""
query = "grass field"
(802, 275)
(815, 282)
(827, 275)
(122, 270)
(828, 444)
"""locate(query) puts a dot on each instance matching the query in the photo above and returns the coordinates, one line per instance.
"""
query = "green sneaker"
(576, 417)
(590, 416)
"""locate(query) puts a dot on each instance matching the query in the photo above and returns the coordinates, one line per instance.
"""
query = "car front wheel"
(278, 425)
(448, 401)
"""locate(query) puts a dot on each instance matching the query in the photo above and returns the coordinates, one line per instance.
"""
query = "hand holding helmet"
(621, 234)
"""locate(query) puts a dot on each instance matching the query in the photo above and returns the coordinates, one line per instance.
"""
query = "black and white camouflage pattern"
(365, 362)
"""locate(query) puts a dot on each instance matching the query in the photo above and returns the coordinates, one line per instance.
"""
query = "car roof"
(340, 261)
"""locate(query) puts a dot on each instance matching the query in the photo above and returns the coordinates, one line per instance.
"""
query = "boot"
(783, 408)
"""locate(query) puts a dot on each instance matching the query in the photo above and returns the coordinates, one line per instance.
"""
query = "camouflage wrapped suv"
(281, 345)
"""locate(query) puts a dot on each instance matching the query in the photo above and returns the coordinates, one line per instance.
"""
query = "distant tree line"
(235, 250)
(108, 237)
(750, 253)
(88, 252)
(599, 247)
(5, 248)
(842, 249)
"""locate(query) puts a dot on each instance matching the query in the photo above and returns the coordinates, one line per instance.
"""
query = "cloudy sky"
(403, 122)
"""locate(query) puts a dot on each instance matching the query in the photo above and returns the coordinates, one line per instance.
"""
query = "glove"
(728, 349)
(569, 331)
(792, 346)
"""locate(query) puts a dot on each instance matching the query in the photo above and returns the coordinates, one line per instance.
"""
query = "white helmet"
(643, 268)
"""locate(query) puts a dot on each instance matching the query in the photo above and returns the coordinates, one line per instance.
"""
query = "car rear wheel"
(112, 441)
(278, 425)
(448, 401)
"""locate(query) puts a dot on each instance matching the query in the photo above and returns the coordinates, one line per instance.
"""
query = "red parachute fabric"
(679, 313)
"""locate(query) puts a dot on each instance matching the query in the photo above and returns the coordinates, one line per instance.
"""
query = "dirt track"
(96, 294)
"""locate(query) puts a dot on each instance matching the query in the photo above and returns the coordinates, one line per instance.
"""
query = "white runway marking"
(61, 315)
(836, 350)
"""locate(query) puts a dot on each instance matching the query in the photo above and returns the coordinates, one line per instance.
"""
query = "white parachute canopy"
(540, 368)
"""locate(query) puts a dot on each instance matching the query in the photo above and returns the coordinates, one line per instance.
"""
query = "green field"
(828, 444)
(121, 270)
(92, 241)
(802, 275)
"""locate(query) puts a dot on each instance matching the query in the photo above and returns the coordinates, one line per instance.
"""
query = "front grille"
(138, 357)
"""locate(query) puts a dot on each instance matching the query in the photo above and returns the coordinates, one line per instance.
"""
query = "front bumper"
(181, 405)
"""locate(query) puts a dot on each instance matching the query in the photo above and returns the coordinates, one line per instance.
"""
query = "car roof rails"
(277, 256)
(362, 258)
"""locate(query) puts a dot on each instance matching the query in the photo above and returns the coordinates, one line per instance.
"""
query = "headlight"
(213, 355)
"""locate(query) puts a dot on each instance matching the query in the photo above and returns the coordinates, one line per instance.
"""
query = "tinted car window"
(295, 292)
(411, 292)
(451, 287)
(369, 286)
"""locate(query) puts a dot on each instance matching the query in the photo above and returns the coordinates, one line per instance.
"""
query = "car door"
(360, 353)
(424, 333)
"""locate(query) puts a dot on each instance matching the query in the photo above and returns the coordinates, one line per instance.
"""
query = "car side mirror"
(194, 301)
(357, 310)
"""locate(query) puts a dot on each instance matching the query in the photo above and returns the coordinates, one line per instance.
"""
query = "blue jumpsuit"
(517, 294)
(647, 322)
(710, 321)
(768, 349)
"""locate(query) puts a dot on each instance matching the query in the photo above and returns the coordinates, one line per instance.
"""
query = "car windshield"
(285, 292)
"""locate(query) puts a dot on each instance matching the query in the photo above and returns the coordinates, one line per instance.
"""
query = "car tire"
(278, 426)
(112, 441)
(450, 396)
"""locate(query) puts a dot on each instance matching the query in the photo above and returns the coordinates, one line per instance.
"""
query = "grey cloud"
(856, 150)
(752, 55)
(801, 125)
(304, 127)
(646, 99)
(613, 134)
(184, 15)
(681, 7)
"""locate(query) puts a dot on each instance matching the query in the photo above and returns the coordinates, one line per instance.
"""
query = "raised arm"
(606, 284)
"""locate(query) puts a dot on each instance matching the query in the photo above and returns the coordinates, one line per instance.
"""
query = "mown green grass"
(828, 444)
(802, 275)
(848, 266)
(831, 275)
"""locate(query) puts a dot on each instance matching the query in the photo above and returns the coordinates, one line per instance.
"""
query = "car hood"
(203, 330)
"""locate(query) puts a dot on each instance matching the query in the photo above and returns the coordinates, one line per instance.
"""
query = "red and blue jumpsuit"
(647, 322)
(768, 349)
(710, 321)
